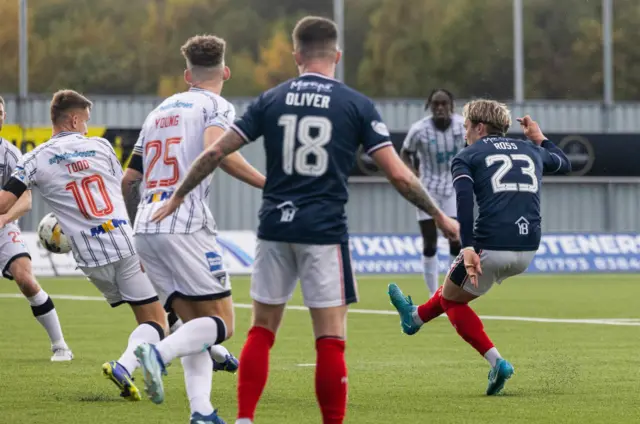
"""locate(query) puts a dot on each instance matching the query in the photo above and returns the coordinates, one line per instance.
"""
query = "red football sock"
(468, 325)
(254, 369)
(433, 308)
(331, 379)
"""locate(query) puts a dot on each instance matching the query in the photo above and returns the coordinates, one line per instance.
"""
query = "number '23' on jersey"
(313, 127)
(507, 177)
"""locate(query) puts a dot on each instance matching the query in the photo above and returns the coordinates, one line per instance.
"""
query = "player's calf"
(41, 305)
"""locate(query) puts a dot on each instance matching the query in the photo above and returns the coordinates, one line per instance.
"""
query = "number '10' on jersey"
(312, 127)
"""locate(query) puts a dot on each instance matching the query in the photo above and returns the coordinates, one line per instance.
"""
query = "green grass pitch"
(565, 372)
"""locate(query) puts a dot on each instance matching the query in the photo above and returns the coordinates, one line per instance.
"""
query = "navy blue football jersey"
(312, 127)
(507, 178)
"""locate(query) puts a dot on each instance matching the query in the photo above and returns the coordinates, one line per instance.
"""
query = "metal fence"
(569, 204)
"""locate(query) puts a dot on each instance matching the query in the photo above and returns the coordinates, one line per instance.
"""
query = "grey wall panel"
(555, 116)
(376, 207)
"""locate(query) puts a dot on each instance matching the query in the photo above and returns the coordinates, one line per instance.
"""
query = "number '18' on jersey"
(313, 127)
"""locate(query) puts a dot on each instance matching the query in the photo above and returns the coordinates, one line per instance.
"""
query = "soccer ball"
(51, 235)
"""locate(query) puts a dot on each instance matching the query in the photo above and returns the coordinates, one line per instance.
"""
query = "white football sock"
(45, 312)
(431, 273)
(144, 333)
(244, 421)
(198, 372)
(492, 355)
(193, 337)
(218, 353)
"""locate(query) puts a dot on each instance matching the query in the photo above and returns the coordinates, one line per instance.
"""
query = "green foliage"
(393, 48)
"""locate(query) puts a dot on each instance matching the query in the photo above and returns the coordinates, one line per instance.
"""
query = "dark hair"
(314, 36)
(439, 90)
(65, 100)
(204, 50)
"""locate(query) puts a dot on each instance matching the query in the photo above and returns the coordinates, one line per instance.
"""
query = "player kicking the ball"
(505, 174)
(79, 178)
(15, 260)
(312, 127)
(180, 252)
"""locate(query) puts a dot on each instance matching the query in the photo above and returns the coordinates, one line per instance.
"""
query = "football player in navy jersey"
(505, 174)
(312, 127)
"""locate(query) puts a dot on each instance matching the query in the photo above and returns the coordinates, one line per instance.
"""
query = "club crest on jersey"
(214, 260)
(523, 226)
(288, 211)
(380, 128)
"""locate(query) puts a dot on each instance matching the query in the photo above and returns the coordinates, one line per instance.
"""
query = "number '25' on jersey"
(312, 127)
(507, 178)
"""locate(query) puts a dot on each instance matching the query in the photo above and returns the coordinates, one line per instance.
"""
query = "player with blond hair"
(506, 175)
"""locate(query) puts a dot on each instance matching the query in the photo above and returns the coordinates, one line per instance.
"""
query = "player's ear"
(297, 57)
(187, 76)
(226, 73)
(338, 56)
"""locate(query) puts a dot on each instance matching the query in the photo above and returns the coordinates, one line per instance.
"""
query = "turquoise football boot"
(405, 308)
(152, 369)
(498, 376)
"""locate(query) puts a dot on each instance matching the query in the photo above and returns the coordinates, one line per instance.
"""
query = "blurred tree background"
(394, 48)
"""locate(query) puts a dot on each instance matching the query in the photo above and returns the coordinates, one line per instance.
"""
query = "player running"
(505, 174)
(15, 259)
(180, 252)
(79, 178)
(434, 141)
(312, 127)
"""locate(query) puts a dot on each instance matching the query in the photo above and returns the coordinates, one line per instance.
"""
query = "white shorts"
(446, 203)
(497, 266)
(12, 247)
(325, 274)
(122, 282)
(188, 266)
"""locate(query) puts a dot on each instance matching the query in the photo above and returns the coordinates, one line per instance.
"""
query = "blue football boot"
(197, 418)
(230, 364)
(121, 378)
(405, 308)
(498, 376)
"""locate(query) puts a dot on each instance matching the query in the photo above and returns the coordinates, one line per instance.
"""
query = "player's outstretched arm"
(131, 190)
(19, 208)
(204, 165)
(237, 166)
(408, 185)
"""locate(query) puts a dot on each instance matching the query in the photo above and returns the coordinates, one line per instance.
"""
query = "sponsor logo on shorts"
(215, 261)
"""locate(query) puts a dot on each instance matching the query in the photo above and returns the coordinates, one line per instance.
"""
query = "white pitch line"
(306, 365)
(593, 321)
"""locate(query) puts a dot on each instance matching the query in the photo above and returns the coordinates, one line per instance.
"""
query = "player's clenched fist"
(531, 129)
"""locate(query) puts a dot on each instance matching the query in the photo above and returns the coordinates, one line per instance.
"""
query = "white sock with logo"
(193, 337)
(431, 273)
(144, 333)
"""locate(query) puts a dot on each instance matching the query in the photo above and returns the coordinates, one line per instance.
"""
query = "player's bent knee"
(224, 333)
(329, 322)
(20, 270)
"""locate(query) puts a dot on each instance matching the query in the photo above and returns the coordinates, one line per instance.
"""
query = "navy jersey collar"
(314, 74)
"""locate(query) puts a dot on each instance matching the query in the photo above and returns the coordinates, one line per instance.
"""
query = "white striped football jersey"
(79, 178)
(435, 150)
(9, 157)
(171, 139)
